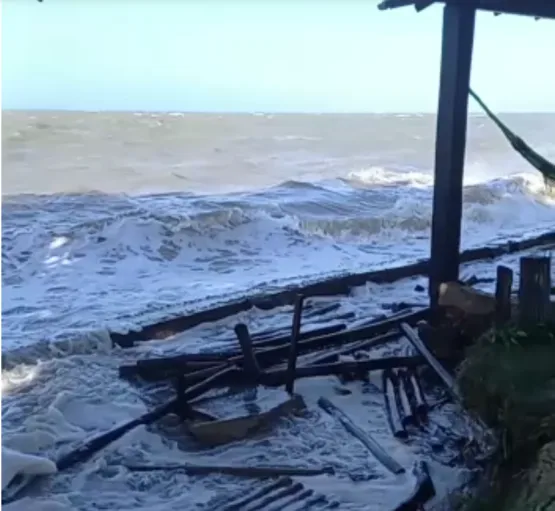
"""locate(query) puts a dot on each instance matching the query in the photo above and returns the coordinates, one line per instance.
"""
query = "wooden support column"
(456, 59)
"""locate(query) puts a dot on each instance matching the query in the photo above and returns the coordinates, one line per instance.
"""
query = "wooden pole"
(503, 288)
(456, 60)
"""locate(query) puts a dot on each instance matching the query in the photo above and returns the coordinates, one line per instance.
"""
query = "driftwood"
(421, 348)
(239, 471)
(243, 424)
(424, 489)
(534, 292)
(361, 435)
(335, 286)
(293, 348)
(163, 368)
(391, 407)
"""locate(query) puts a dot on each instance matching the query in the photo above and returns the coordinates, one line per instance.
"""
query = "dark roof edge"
(532, 8)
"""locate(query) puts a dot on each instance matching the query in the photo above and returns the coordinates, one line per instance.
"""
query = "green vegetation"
(508, 379)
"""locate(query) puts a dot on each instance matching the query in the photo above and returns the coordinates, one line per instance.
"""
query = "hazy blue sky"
(258, 55)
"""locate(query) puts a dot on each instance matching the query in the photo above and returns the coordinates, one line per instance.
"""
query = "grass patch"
(508, 379)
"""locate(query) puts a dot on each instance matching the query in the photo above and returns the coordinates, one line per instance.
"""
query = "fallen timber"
(393, 414)
(239, 471)
(335, 286)
(162, 368)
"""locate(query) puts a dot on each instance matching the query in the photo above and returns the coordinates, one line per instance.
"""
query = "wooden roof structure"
(459, 19)
(535, 8)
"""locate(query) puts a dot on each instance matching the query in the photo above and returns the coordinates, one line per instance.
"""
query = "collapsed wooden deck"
(272, 363)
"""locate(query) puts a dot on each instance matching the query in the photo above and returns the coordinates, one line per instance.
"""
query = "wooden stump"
(534, 290)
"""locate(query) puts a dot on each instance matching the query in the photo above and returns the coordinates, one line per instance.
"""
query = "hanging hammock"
(537, 161)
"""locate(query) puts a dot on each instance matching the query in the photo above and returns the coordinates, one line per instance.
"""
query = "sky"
(259, 55)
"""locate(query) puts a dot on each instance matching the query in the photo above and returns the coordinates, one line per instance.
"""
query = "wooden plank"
(260, 471)
(385, 459)
(456, 60)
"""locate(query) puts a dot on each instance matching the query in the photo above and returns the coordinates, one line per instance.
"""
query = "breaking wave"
(95, 261)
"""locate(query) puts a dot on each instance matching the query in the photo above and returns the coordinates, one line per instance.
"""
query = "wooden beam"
(456, 60)
(533, 8)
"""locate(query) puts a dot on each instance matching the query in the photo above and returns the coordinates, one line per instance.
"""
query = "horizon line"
(261, 112)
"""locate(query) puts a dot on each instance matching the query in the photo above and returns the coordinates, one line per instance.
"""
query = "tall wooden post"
(456, 60)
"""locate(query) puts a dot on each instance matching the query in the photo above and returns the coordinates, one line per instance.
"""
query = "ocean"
(112, 221)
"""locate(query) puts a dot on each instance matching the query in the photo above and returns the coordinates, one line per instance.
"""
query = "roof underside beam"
(533, 8)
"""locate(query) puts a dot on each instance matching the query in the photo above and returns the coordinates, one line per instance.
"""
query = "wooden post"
(534, 293)
(456, 60)
(503, 289)
(293, 351)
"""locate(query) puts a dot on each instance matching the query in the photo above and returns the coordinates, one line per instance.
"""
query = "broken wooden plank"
(410, 379)
(163, 368)
(382, 456)
(421, 348)
(250, 364)
(392, 409)
(407, 416)
(244, 422)
(293, 349)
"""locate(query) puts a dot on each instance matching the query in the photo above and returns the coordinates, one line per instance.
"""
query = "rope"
(537, 161)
